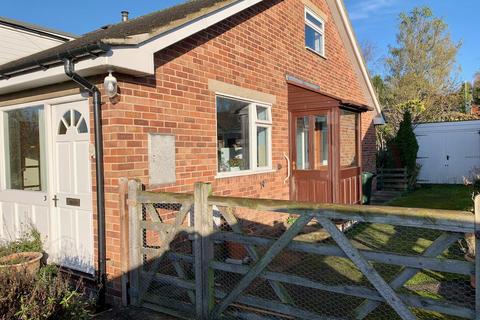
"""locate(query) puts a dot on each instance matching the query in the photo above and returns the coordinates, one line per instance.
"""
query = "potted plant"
(23, 255)
(28, 262)
(235, 164)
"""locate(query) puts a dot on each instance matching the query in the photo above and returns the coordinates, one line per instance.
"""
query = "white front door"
(24, 202)
(72, 210)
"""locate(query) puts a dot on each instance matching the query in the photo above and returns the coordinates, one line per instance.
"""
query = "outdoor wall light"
(110, 84)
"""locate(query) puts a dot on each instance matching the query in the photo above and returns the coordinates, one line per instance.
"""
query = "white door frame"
(37, 197)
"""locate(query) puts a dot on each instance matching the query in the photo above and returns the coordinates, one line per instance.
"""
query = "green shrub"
(473, 181)
(47, 295)
(29, 242)
(407, 145)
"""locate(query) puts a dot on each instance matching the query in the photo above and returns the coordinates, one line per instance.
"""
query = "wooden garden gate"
(207, 257)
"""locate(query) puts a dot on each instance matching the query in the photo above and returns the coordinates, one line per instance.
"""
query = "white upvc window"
(24, 148)
(314, 32)
(244, 136)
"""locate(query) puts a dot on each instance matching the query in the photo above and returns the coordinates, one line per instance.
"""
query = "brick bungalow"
(263, 99)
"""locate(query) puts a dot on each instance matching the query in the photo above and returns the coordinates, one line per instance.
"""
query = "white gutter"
(134, 61)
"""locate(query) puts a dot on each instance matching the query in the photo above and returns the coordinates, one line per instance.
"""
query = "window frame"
(44, 165)
(253, 124)
(36, 197)
(315, 28)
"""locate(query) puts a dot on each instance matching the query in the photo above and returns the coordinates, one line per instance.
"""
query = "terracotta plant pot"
(22, 262)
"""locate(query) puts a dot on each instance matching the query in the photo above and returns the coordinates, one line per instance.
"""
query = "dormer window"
(314, 32)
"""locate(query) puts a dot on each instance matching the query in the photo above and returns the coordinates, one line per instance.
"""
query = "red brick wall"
(254, 50)
(369, 147)
(476, 110)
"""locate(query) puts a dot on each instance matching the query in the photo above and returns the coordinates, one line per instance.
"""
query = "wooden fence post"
(135, 231)
(203, 247)
(124, 236)
(477, 257)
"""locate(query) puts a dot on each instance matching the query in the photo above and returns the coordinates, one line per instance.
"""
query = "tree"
(407, 144)
(422, 67)
(476, 89)
(370, 56)
(467, 93)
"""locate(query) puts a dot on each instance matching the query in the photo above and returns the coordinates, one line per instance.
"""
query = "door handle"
(289, 172)
(55, 200)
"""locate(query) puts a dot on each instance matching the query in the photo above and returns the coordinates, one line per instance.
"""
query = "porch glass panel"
(302, 143)
(349, 127)
(320, 137)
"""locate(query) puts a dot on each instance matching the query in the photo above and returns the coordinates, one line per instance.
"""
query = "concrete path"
(131, 313)
(381, 197)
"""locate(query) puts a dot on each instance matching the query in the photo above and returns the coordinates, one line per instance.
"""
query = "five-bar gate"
(207, 257)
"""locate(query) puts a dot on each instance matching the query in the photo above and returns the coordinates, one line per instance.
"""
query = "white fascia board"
(353, 43)
(130, 60)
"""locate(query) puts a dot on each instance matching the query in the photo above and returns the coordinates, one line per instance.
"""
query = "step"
(385, 175)
(385, 192)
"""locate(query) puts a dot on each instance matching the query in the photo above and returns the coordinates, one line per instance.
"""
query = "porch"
(251, 259)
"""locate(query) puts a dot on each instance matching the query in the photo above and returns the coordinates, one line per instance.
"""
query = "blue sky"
(374, 21)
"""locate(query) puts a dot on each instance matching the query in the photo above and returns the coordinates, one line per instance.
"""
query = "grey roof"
(61, 35)
(131, 32)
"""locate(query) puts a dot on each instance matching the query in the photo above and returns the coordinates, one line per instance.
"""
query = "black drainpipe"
(97, 118)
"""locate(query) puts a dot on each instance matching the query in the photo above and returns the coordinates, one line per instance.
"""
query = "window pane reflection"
(348, 139)
(262, 143)
(232, 135)
(302, 144)
(320, 137)
(25, 154)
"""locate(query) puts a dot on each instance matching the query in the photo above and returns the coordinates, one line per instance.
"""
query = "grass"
(440, 196)
(396, 239)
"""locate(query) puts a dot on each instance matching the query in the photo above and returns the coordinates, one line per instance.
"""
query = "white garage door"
(448, 151)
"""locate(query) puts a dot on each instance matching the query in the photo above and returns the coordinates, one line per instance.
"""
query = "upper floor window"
(314, 32)
(243, 136)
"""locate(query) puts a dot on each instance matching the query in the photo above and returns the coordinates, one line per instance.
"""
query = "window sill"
(224, 175)
(316, 53)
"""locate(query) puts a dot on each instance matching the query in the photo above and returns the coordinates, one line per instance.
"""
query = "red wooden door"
(311, 154)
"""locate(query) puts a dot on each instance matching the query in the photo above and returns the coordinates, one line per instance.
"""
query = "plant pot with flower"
(235, 164)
